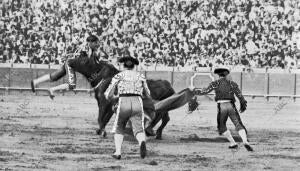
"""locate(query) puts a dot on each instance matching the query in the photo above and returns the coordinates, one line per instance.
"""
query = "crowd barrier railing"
(257, 83)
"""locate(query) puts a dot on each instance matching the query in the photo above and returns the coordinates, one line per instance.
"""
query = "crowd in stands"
(174, 33)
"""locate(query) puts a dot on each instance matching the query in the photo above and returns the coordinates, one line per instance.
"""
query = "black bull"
(100, 73)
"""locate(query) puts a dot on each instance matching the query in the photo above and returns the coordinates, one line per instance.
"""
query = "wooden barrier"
(253, 83)
(20, 77)
(262, 84)
(281, 84)
(181, 80)
(159, 75)
(4, 77)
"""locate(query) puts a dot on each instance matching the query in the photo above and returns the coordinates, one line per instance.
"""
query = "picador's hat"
(92, 38)
(220, 70)
(129, 60)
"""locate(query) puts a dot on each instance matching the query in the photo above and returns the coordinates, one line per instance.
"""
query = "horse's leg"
(165, 120)
(105, 118)
(104, 115)
(149, 116)
(156, 119)
(101, 115)
(149, 111)
(104, 107)
(109, 112)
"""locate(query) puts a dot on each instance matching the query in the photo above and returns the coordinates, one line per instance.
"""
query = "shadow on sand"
(194, 137)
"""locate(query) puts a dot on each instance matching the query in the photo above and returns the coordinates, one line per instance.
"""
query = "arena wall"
(252, 84)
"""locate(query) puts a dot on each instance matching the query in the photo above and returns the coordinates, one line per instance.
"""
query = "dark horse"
(100, 73)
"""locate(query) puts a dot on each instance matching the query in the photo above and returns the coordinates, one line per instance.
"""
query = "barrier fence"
(252, 84)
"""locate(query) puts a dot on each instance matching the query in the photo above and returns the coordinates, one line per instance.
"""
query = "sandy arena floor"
(37, 133)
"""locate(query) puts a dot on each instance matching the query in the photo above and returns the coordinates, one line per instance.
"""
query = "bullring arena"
(38, 133)
(181, 41)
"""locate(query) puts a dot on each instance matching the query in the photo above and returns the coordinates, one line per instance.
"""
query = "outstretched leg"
(71, 82)
(57, 88)
(164, 122)
(54, 76)
(37, 81)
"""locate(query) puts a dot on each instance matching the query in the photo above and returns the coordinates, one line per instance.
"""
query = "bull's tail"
(175, 101)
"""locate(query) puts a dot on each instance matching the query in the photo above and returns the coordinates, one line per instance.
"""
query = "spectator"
(172, 33)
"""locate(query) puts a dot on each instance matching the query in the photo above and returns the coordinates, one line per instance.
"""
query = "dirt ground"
(37, 133)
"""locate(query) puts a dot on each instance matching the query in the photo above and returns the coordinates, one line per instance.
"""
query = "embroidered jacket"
(128, 82)
(224, 89)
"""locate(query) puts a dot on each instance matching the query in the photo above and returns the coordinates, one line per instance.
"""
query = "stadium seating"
(181, 34)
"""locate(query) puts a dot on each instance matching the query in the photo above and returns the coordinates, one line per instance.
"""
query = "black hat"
(128, 59)
(92, 38)
(221, 70)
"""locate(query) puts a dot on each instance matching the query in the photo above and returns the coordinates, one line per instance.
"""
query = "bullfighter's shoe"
(248, 147)
(235, 146)
(118, 157)
(143, 150)
(51, 94)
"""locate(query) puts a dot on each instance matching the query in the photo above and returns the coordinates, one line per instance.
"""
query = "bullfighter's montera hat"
(92, 38)
(221, 69)
(126, 59)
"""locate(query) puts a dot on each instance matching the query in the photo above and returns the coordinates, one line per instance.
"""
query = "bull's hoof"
(158, 137)
(101, 133)
(98, 132)
(158, 134)
(104, 134)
